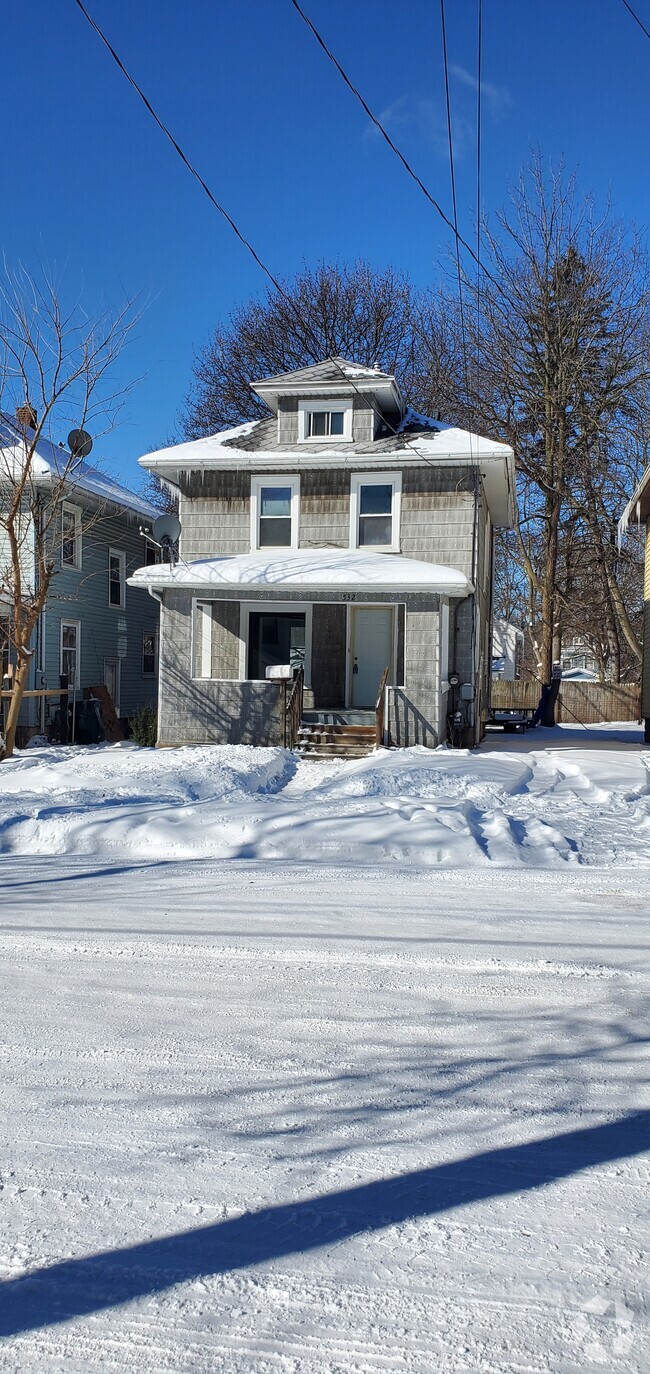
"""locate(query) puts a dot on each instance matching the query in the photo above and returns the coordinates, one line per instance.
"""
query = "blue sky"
(91, 185)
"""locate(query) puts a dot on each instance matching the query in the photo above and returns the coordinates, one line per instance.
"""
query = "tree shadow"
(78, 1287)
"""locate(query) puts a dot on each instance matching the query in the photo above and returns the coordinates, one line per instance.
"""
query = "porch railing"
(293, 710)
(380, 710)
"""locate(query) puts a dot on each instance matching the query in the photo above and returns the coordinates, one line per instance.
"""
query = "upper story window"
(70, 536)
(151, 553)
(274, 512)
(325, 421)
(375, 511)
(116, 578)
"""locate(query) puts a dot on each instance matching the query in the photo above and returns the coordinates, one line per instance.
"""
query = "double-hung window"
(116, 578)
(70, 536)
(274, 512)
(70, 658)
(375, 511)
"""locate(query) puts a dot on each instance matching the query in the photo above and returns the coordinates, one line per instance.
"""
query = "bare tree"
(57, 366)
(551, 354)
(350, 311)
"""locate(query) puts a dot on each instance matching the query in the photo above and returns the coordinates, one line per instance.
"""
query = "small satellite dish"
(79, 443)
(166, 529)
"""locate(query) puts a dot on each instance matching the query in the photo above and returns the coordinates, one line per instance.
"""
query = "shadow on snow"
(78, 1287)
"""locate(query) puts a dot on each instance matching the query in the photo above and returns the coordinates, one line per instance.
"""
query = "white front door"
(371, 651)
(112, 681)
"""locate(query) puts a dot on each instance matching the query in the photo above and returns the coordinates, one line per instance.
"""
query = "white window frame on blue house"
(76, 626)
(74, 538)
(120, 556)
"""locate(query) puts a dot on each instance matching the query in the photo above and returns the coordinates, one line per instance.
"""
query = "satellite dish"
(79, 443)
(166, 529)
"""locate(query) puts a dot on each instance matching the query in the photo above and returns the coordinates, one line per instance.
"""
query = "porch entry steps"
(317, 739)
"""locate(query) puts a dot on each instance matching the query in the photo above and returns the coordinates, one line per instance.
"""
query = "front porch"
(367, 636)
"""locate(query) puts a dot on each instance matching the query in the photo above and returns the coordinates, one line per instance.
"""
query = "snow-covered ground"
(285, 1093)
(514, 802)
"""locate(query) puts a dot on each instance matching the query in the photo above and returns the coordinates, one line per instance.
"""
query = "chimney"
(26, 416)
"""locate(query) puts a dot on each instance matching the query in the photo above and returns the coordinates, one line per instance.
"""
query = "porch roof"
(307, 570)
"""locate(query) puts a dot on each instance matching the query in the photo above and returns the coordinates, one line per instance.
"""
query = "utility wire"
(312, 349)
(197, 175)
(636, 18)
(385, 135)
(452, 174)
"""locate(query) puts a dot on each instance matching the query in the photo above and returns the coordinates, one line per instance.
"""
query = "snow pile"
(538, 807)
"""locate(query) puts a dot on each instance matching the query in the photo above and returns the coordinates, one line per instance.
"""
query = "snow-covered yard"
(325, 1067)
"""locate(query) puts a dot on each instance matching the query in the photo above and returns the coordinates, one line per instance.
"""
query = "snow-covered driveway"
(320, 1116)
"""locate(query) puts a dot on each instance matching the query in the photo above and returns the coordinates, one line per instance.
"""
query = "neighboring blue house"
(95, 628)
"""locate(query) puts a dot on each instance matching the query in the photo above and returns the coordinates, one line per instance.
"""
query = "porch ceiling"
(304, 570)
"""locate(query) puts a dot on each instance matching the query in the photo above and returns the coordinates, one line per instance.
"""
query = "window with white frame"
(325, 421)
(275, 503)
(148, 653)
(151, 553)
(375, 511)
(70, 536)
(70, 656)
(116, 578)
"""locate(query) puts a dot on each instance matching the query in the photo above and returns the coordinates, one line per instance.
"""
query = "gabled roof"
(331, 370)
(308, 570)
(50, 463)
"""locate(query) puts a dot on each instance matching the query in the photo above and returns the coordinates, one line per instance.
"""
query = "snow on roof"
(50, 463)
(416, 434)
(314, 569)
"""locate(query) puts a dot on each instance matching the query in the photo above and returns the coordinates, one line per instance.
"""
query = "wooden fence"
(585, 703)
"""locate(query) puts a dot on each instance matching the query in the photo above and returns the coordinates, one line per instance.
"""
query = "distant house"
(95, 628)
(579, 663)
(344, 535)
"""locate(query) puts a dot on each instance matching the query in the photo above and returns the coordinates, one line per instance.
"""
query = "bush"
(144, 726)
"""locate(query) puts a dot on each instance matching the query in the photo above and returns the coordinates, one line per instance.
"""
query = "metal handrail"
(293, 711)
(380, 710)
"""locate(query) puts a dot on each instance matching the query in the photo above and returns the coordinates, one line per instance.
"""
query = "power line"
(636, 18)
(197, 175)
(453, 195)
(310, 349)
(385, 135)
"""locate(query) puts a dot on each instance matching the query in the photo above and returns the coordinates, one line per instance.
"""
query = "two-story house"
(345, 535)
(95, 628)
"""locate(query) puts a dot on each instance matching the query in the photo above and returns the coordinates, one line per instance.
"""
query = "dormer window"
(324, 422)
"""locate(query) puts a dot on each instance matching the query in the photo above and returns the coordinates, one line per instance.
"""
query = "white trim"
(276, 480)
(207, 621)
(76, 512)
(68, 622)
(305, 608)
(375, 479)
(121, 556)
(307, 407)
(443, 645)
